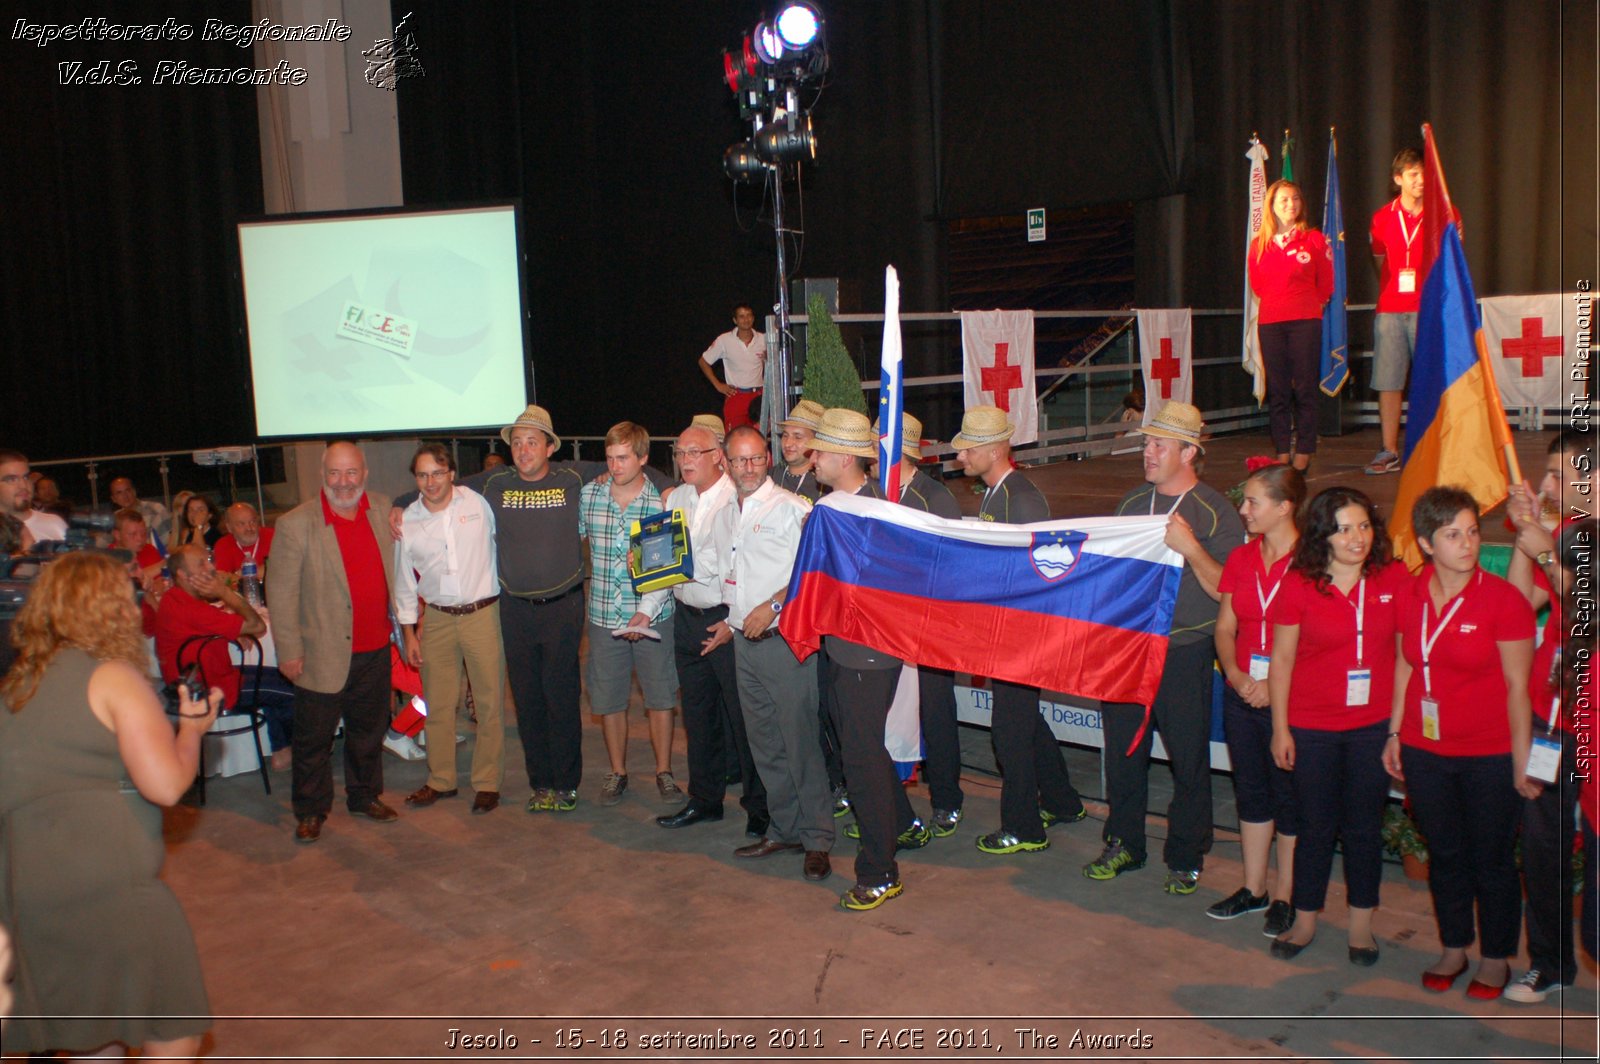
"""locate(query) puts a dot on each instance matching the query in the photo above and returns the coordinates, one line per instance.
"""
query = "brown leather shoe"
(309, 828)
(426, 795)
(486, 801)
(376, 810)
(766, 848)
(818, 866)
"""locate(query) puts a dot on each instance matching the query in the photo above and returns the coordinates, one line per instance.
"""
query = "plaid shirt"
(612, 599)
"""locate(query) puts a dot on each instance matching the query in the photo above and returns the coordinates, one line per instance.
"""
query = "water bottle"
(250, 583)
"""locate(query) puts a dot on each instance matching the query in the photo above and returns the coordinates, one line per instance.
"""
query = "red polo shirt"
(230, 559)
(181, 616)
(1326, 651)
(363, 568)
(1464, 664)
(1293, 281)
(1391, 225)
(1244, 577)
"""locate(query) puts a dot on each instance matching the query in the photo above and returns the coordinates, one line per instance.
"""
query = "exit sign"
(1035, 225)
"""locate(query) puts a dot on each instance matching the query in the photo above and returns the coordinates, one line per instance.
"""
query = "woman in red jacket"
(1291, 272)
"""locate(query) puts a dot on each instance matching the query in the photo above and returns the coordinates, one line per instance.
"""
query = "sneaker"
(914, 837)
(611, 790)
(539, 800)
(859, 898)
(1181, 882)
(1534, 986)
(852, 830)
(668, 789)
(944, 822)
(1280, 917)
(841, 802)
(404, 747)
(1051, 820)
(1002, 842)
(1237, 904)
(1383, 462)
(1114, 860)
(563, 801)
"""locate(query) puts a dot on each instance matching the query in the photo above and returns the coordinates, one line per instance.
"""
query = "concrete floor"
(379, 940)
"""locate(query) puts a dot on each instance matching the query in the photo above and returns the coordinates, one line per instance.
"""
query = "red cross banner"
(1524, 338)
(1167, 356)
(997, 358)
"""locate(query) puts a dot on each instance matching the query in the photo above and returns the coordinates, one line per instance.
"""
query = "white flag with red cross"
(1166, 354)
(997, 356)
(1524, 338)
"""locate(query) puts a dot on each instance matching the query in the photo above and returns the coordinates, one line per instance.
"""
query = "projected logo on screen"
(378, 328)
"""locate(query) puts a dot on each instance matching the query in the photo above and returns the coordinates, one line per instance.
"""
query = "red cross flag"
(1167, 357)
(997, 358)
(1524, 338)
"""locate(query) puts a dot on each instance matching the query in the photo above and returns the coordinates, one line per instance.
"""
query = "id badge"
(1544, 759)
(1258, 666)
(450, 585)
(1406, 283)
(1430, 719)
(1357, 687)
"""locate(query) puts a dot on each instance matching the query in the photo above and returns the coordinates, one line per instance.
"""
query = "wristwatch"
(1544, 558)
(777, 607)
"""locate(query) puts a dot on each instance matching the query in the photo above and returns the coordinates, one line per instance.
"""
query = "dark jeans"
(277, 705)
(1263, 791)
(1292, 351)
(858, 702)
(709, 688)
(1548, 826)
(363, 703)
(541, 641)
(825, 729)
(1182, 713)
(941, 736)
(1033, 770)
(1467, 809)
(1340, 785)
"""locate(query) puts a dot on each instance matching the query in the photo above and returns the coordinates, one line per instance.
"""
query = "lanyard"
(1175, 505)
(1266, 601)
(1410, 235)
(1427, 643)
(1361, 619)
(983, 508)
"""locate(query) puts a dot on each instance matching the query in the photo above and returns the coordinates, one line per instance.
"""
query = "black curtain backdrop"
(117, 275)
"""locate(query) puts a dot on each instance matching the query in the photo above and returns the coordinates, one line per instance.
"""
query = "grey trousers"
(778, 695)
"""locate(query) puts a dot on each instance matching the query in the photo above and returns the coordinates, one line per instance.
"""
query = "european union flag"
(1335, 363)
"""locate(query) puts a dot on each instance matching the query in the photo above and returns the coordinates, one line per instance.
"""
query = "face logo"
(1056, 553)
(1468, 629)
(1302, 257)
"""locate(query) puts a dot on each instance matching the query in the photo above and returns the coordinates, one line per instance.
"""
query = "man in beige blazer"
(329, 595)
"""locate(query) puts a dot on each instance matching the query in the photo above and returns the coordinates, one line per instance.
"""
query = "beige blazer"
(308, 593)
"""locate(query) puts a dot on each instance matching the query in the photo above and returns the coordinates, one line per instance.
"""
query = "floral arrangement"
(1251, 464)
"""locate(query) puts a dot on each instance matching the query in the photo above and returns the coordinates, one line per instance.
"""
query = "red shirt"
(1293, 281)
(181, 616)
(1391, 225)
(230, 559)
(1326, 650)
(363, 568)
(1464, 664)
(147, 557)
(1244, 578)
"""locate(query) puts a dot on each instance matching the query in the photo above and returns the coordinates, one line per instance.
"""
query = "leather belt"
(745, 391)
(471, 607)
(552, 598)
(700, 611)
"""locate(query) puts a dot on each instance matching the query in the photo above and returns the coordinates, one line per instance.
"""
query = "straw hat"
(712, 424)
(535, 417)
(806, 413)
(910, 435)
(1177, 421)
(846, 432)
(982, 425)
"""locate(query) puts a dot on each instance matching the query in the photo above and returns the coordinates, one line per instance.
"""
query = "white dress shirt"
(699, 513)
(448, 558)
(742, 363)
(45, 526)
(757, 543)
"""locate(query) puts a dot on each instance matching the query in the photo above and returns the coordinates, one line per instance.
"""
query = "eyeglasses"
(680, 453)
(437, 474)
(751, 462)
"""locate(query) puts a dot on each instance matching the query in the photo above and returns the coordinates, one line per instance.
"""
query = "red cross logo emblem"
(1165, 369)
(1533, 347)
(1001, 377)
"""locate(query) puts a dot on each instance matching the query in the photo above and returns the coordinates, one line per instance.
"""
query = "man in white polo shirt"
(446, 555)
(743, 354)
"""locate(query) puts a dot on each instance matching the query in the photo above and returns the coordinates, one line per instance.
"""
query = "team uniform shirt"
(1016, 500)
(445, 558)
(1327, 648)
(700, 515)
(1397, 245)
(757, 543)
(1544, 686)
(857, 655)
(148, 557)
(742, 363)
(229, 557)
(1217, 526)
(1254, 588)
(45, 526)
(1463, 663)
(930, 496)
(181, 616)
(612, 599)
(363, 568)
(804, 485)
(1293, 280)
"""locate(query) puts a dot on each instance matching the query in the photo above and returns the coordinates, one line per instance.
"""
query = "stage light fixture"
(798, 26)
(777, 143)
(741, 163)
(768, 45)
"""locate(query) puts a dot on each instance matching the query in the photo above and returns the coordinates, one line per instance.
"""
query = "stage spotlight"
(797, 26)
(777, 143)
(741, 163)
(768, 45)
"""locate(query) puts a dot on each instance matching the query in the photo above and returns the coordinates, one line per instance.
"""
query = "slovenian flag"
(891, 390)
(1082, 607)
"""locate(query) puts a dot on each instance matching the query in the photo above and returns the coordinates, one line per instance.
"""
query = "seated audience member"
(14, 535)
(16, 499)
(132, 535)
(156, 516)
(245, 539)
(47, 497)
(195, 521)
(493, 460)
(201, 603)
